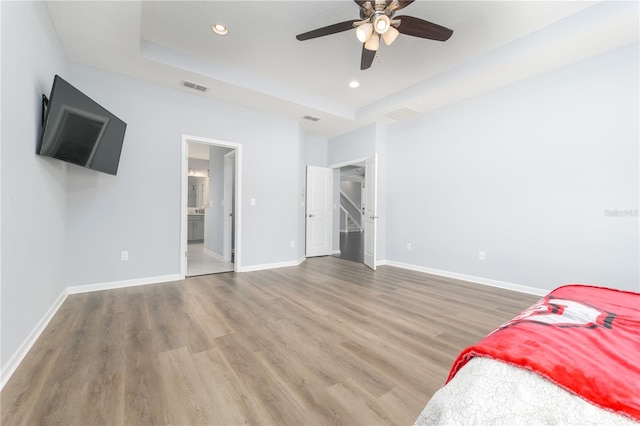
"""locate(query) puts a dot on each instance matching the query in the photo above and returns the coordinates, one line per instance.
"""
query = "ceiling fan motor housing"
(379, 14)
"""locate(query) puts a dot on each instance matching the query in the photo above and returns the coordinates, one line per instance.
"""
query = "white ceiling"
(261, 65)
(198, 150)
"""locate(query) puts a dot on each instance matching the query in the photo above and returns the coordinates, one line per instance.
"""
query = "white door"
(228, 205)
(370, 210)
(319, 211)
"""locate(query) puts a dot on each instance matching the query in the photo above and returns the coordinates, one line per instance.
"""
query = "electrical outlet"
(292, 244)
(408, 246)
(481, 255)
(124, 255)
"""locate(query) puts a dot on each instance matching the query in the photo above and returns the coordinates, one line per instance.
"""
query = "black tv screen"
(78, 130)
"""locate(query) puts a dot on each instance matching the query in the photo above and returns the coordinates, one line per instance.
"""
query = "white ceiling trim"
(575, 38)
(264, 68)
(240, 78)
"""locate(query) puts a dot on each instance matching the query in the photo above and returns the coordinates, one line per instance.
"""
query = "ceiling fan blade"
(367, 58)
(424, 29)
(330, 29)
(403, 3)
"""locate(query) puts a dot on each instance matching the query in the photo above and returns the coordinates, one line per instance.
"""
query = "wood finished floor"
(326, 342)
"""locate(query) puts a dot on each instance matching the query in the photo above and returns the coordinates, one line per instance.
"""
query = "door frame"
(229, 181)
(361, 160)
(183, 190)
(371, 211)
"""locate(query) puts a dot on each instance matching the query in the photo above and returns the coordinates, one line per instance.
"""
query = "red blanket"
(585, 339)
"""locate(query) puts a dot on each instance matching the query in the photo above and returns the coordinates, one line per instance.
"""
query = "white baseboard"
(121, 284)
(476, 280)
(271, 265)
(19, 355)
(213, 253)
(22, 351)
(336, 252)
(11, 366)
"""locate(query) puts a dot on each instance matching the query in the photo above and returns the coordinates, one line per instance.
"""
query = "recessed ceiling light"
(220, 29)
(354, 84)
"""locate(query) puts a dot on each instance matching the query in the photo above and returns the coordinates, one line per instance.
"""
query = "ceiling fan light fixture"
(381, 23)
(390, 36)
(373, 43)
(364, 31)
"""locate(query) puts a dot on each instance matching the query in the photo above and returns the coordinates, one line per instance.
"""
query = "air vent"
(402, 113)
(194, 86)
(311, 118)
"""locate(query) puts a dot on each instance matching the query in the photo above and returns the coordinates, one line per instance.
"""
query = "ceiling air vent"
(402, 113)
(194, 86)
(311, 118)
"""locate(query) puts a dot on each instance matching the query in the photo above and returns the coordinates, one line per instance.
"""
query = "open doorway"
(351, 212)
(357, 225)
(210, 219)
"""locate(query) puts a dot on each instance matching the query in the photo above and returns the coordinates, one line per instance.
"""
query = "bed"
(571, 358)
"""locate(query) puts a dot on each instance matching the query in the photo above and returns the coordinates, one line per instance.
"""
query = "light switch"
(253, 201)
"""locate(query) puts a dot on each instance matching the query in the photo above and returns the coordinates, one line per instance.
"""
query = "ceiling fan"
(377, 21)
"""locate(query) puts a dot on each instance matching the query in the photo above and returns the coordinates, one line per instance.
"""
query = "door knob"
(310, 215)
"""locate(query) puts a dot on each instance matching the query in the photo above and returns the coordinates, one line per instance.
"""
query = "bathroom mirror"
(197, 191)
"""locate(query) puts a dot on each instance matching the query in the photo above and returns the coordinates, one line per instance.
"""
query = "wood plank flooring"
(326, 342)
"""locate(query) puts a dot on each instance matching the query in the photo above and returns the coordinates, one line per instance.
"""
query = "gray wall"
(353, 190)
(33, 187)
(303, 154)
(198, 164)
(351, 146)
(525, 173)
(355, 145)
(316, 151)
(139, 210)
(72, 223)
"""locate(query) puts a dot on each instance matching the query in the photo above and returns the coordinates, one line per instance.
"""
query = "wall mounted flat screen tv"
(78, 130)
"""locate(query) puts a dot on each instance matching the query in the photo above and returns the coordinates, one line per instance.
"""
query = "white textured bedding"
(486, 391)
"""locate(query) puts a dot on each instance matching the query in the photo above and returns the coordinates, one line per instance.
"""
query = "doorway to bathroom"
(210, 218)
